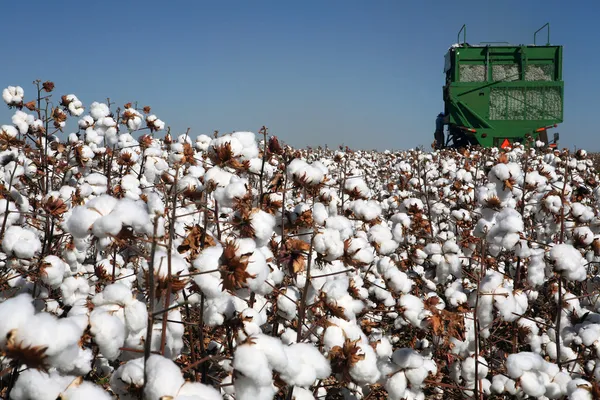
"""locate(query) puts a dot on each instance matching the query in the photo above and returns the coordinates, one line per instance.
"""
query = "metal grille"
(541, 103)
(472, 73)
(540, 72)
(505, 72)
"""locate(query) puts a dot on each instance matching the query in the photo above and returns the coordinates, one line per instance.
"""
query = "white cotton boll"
(306, 365)
(198, 391)
(384, 348)
(164, 378)
(116, 293)
(329, 244)
(310, 174)
(406, 358)
(107, 226)
(263, 225)
(320, 213)
(99, 110)
(98, 182)
(412, 309)
(579, 389)
(33, 384)
(568, 261)
(84, 391)
(22, 243)
(108, 332)
(365, 371)
(532, 384)
(217, 176)
(128, 375)
(504, 233)
(13, 95)
(13, 214)
(273, 350)
(208, 260)
(397, 280)
(300, 393)
(13, 313)
(203, 142)
(246, 389)
(22, 121)
(53, 271)
(136, 316)
(366, 210)
(134, 214)
(396, 386)
(361, 250)
(252, 362)
(249, 147)
(9, 131)
(85, 122)
(583, 235)
(287, 301)
(357, 185)
(334, 336)
(235, 145)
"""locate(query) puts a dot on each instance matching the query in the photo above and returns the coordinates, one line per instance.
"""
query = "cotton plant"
(263, 270)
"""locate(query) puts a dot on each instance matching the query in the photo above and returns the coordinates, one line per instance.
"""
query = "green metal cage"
(498, 91)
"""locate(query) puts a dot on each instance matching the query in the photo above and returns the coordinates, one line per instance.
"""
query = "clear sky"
(367, 74)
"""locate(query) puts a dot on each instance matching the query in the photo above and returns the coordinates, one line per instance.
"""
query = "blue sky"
(367, 74)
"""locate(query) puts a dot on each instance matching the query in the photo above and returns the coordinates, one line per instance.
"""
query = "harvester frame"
(497, 93)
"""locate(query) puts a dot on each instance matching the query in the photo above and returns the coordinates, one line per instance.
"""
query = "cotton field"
(139, 263)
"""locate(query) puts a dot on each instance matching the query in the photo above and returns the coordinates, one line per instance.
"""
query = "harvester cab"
(497, 94)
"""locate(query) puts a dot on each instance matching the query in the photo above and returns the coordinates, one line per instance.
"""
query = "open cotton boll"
(246, 389)
(252, 362)
(84, 391)
(53, 271)
(13, 313)
(99, 110)
(366, 210)
(340, 224)
(365, 371)
(13, 95)
(20, 242)
(263, 225)
(9, 131)
(396, 386)
(198, 391)
(305, 365)
(248, 142)
(329, 244)
(357, 185)
(164, 378)
(13, 214)
(287, 301)
(505, 232)
(568, 262)
(109, 333)
(208, 260)
(130, 374)
(413, 309)
(33, 384)
(302, 172)
(218, 176)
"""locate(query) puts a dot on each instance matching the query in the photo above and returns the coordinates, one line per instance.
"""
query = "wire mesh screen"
(543, 103)
(505, 72)
(541, 72)
(471, 73)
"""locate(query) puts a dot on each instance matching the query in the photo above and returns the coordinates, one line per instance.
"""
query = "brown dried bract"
(32, 356)
(344, 358)
(233, 269)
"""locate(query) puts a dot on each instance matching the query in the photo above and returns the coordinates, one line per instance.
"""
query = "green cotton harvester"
(496, 93)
